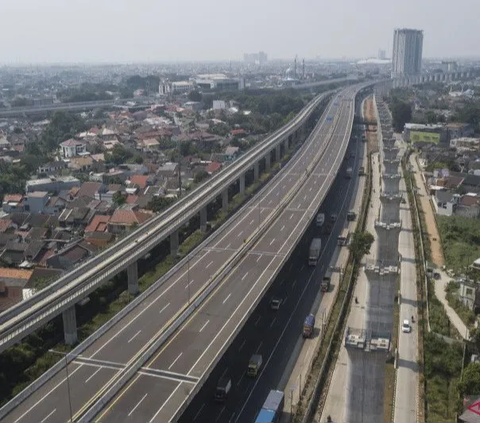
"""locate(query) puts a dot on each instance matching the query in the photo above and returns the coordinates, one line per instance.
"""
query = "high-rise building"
(407, 52)
(257, 58)
(382, 55)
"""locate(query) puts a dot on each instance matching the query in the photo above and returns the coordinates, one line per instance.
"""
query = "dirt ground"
(372, 139)
(433, 234)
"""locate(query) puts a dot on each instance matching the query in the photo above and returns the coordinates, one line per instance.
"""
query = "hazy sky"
(160, 30)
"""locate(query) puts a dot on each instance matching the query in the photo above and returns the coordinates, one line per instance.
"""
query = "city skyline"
(122, 32)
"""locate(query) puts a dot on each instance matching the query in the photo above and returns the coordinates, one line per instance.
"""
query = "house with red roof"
(123, 219)
(213, 167)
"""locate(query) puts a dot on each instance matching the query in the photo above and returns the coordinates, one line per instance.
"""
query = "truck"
(351, 216)
(325, 285)
(254, 365)
(314, 252)
(361, 171)
(320, 220)
(349, 172)
(223, 388)
(308, 326)
(272, 408)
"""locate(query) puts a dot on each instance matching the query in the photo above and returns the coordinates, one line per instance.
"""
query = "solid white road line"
(256, 321)
(199, 411)
(96, 371)
(164, 308)
(174, 361)
(208, 265)
(243, 343)
(138, 403)
(244, 276)
(226, 299)
(259, 346)
(273, 322)
(272, 241)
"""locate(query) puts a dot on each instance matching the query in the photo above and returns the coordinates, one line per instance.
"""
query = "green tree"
(200, 176)
(119, 154)
(360, 244)
(470, 383)
(158, 204)
(119, 199)
(401, 114)
(62, 126)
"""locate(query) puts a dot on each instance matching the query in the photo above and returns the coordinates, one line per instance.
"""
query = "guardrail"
(107, 326)
(114, 389)
(107, 260)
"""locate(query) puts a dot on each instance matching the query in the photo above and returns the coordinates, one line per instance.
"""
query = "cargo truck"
(308, 326)
(320, 220)
(325, 286)
(314, 252)
(254, 365)
(223, 388)
(349, 173)
(272, 408)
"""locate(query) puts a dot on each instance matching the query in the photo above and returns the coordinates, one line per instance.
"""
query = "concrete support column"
(132, 274)
(286, 144)
(278, 153)
(174, 243)
(391, 166)
(256, 171)
(242, 183)
(203, 218)
(70, 325)
(390, 210)
(225, 200)
(387, 242)
(391, 183)
(268, 159)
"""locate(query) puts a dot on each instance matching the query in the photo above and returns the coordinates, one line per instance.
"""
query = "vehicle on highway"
(314, 251)
(328, 228)
(351, 216)
(333, 217)
(275, 303)
(308, 326)
(272, 408)
(344, 237)
(325, 285)
(254, 365)
(349, 173)
(223, 388)
(406, 326)
(361, 171)
(320, 220)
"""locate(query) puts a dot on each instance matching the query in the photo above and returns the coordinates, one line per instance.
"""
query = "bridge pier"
(242, 183)
(132, 275)
(174, 243)
(70, 325)
(203, 212)
(278, 152)
(268, 161)
(256, 171)
(225, 200)
(286, 144)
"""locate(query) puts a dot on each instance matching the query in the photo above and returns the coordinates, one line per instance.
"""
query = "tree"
(200, 176)
(62, 126)
(195, 95)
(470, 383)
(360, 245)
(119, 154)
(158, 204)
(401, 114)
(119, 199)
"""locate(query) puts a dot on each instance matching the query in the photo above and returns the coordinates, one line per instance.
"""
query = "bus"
(272, 408)
(343, 237)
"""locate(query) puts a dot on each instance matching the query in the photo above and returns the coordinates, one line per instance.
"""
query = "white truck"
(314, 252)
(320, 220)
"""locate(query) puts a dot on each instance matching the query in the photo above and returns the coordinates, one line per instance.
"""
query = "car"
(403, 201)
(406, 326)
(275, 303)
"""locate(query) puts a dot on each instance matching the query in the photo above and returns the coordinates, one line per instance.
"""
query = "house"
(72, 148)
(231, 153)
(99, 239)
(459, 130)
(213, 167)
(13, 203)
(468, 206)
(81, 164)
(466, 292)
(6, 224)
(238, 133)
(52, 184)
(90, 190)
(123, 219)
(35, 201)
(141, 181)
(99, 223)
(150, 144)
(168, 170)
(12, 283)
(52, 168)
(445, 202)
(71, 255)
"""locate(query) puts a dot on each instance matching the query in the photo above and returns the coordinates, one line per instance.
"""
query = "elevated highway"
(61, 296)
(177, 370)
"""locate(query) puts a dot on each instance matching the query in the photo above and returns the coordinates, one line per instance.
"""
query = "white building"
(72, 148)
(219, 82)
(407, 52)
(178, 87)
(465, 143)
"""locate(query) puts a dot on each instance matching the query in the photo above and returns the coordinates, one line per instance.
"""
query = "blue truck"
(272, 408)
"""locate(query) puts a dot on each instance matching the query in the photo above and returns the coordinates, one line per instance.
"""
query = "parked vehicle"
(349, 173)
(406, 326)
(351, 216)
(309, 326)
(325, 285)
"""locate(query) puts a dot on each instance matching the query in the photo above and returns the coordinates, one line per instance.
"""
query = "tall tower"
(407, 52)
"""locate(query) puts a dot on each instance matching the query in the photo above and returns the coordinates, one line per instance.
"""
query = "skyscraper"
(407, 52)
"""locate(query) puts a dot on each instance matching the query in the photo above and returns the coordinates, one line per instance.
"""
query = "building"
(459, 130)
(382, 55)
(418, 133)
(219, 82)
(72, 148)
(12, 283)
(407, 52)
(179, 87)
(255, 58)
(52, 184)
(466, 143)
(13, 203)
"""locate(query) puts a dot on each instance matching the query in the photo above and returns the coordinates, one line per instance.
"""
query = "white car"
(406, 326)
(275, 303)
